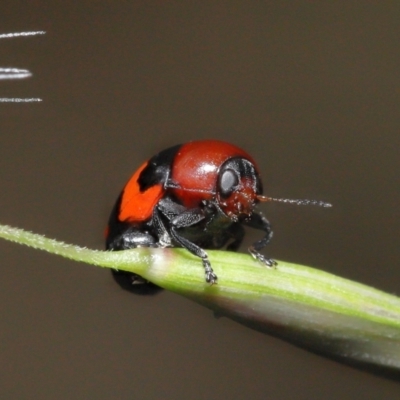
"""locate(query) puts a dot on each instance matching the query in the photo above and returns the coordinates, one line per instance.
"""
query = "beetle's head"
(238, 187)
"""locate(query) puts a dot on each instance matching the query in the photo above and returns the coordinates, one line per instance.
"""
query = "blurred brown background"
(311, 89)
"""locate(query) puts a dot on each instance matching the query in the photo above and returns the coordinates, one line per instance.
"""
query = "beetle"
(198, 195)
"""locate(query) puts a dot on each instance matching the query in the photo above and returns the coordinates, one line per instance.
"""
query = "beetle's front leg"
(258, 221)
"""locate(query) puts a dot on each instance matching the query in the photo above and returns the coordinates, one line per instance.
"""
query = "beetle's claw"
(138, 280)
(211, 278)
(210, 275)
(269, 262)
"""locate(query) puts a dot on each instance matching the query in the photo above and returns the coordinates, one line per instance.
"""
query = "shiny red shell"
(137, 206)
(192, 178)
(196, 167)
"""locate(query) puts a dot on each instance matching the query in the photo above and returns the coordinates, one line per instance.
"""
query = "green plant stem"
(326, 314)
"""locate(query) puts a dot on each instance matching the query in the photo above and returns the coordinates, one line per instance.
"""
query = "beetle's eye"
(228, 182)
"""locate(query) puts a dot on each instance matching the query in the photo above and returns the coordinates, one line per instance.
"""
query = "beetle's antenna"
(298, 202)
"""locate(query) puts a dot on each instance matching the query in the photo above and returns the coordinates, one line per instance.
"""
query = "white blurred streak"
(14, 73)
(17, 34)
(18, 100)
(17, 73)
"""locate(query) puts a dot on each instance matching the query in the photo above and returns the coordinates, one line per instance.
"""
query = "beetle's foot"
(210, 275)
(138, 280)
(269, 262)
(134, 283)
(132, 277)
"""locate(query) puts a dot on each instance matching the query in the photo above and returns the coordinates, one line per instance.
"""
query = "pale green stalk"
(326, 314)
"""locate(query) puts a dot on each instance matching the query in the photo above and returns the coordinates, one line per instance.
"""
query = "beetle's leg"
(199, 252)
(164, 237)
(184, 220)
(258, 221)
(131, 239)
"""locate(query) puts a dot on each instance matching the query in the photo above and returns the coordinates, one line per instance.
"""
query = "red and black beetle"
(198, 195)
